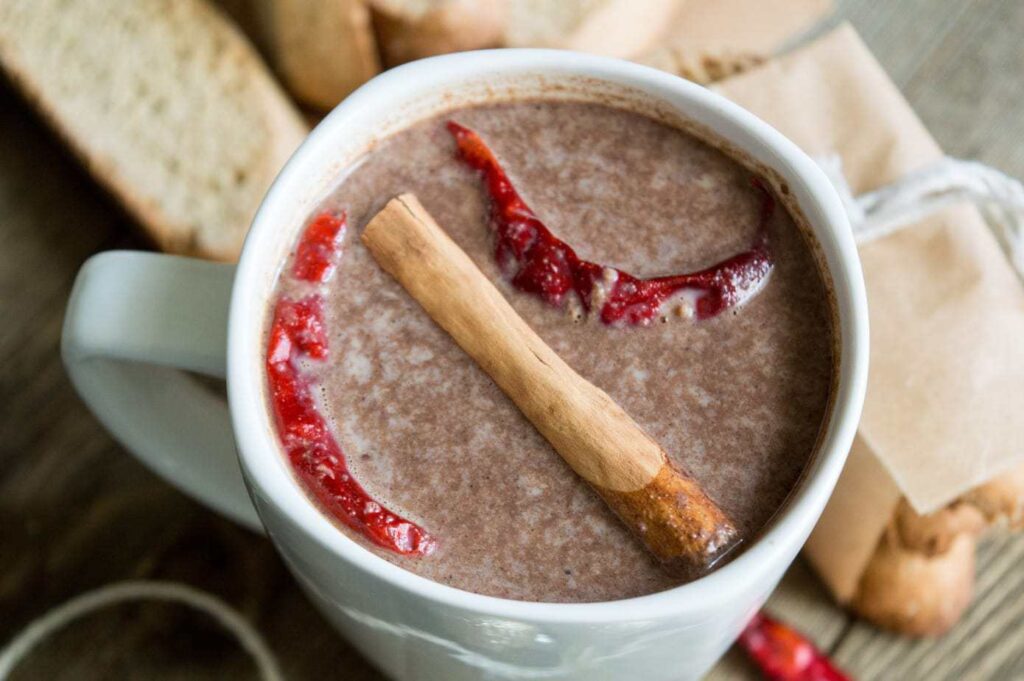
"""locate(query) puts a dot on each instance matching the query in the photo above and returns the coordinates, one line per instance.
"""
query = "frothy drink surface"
(738, 400)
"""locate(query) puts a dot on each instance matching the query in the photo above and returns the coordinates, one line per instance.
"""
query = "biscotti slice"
(920, 578)
(914, 593)
(323, 49)
(413, 29)
(165, 101)
(616, 28)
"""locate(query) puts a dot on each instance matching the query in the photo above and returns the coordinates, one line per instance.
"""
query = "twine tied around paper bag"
(888, 209)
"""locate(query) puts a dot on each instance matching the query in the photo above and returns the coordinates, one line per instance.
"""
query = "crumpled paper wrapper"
(760, 26)
(946, 387)
(711, 39)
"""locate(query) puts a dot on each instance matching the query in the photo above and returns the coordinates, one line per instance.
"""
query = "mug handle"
(135, 323)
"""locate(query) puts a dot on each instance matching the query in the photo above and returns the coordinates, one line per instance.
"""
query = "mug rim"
(794, 520)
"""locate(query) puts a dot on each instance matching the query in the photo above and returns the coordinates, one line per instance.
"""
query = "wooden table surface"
(78, 512)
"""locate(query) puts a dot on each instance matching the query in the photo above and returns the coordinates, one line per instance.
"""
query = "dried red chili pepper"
(298, 334)
(542, 264)
(783, 654)
(318, 250)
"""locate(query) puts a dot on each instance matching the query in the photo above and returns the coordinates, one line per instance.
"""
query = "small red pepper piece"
(783, 654)
(298, 332)
(542, 264)
(316, 255)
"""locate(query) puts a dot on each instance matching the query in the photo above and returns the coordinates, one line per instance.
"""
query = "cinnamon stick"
(662, 505)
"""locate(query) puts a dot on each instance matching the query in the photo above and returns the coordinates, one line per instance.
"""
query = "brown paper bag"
(946, 386)
(755, 26)
(711, 39)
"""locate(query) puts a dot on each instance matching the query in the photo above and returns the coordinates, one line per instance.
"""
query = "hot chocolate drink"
(419, 456)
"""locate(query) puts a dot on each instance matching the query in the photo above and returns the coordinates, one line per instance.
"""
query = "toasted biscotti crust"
(413, 29)
(324, 49)
(615, 28)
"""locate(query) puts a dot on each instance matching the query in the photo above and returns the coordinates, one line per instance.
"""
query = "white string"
(948, 181)
(21, 645)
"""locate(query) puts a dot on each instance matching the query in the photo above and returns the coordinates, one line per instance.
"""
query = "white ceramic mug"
(135, 320)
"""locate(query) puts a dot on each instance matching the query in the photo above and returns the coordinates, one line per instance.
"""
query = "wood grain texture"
(77, 512)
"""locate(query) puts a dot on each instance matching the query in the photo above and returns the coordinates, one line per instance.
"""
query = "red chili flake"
(540, 263)
(297, 332)
(783, 654)
(316, 255)
(298, 326)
